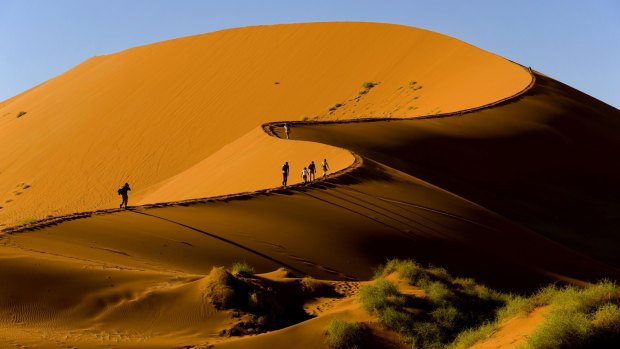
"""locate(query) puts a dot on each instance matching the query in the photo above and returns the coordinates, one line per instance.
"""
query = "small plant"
(336, 106)
(343, 334)
(369, 84)
(242, 269)
(27, 221)
(218, 288)
(305, 118)
(312, 285)
(21, 113)
(381, 295)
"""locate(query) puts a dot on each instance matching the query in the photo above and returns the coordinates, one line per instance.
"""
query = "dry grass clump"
(381, 295)
(341, 334)
(218, 288)
(242, 269)
(313, 286)
(451, 305)
(580, 318)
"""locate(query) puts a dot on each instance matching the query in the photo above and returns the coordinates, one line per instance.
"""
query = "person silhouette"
(304, 175)
(286, 130)
(325, 167)
(122, 191)
(312, 170)
(284, 173)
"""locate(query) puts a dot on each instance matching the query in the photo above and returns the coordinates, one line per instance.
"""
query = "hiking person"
(286, 130)
(284, 173)
(312, 170)
(304, 175)
(122, 191)
(325, 167)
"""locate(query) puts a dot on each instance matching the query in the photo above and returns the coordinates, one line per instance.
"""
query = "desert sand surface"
(517, 192)
(157, 115)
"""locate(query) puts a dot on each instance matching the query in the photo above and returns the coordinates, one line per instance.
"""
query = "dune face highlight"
(149, 114)
(496, 174)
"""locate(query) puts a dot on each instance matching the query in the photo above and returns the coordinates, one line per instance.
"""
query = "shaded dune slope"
(545, 160)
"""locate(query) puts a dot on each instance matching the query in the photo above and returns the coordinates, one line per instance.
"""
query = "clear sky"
(574, 41)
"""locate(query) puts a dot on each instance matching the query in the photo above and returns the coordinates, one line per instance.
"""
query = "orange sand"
(165, 116)
(501, 194)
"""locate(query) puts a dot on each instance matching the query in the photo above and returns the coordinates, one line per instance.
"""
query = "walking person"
(325, 167)
(122, 191)
(284, 173)
(312, 170)
(286, 130)
(304, 175)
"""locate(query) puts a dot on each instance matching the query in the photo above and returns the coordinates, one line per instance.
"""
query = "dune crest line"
(270, 128)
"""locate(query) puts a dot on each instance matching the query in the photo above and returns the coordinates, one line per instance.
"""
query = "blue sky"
(574, 41)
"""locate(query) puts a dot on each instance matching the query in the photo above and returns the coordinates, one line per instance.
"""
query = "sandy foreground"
(515, 193)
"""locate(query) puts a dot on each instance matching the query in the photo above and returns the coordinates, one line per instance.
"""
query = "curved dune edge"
(270, 129)
(148, 114)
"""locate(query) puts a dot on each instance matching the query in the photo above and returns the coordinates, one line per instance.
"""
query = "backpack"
(120, 191)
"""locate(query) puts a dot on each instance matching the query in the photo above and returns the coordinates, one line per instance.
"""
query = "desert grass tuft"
(242, 269)
(218, 288)
(341, 334)
(369, 84)
(382, 294)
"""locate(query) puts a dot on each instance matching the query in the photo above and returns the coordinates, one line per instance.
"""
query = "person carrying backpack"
(284, 173)
(122, 191)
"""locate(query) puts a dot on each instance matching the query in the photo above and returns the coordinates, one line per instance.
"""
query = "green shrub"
(437, 293)
(242, 269)
(395, 319)
(607, 318)
(440, 273)
(427, 335)
(561, 330)
(469, 337)
(445, 316)
(369, 84)
(381, 295)
(342, 334)
(407, 269)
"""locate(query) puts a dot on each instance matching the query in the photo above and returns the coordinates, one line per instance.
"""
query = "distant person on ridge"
(304, 175)
(312, 169)
(284, 173)
(325, 167)
(286, 130)
(122, 191)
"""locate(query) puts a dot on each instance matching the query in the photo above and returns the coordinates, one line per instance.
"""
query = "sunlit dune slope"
(163, 115)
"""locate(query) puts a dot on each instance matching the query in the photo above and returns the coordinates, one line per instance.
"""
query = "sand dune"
(509, 193)
(149, 114)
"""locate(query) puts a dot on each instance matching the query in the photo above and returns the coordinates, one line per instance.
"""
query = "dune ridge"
(159, 115)
(430, 188)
